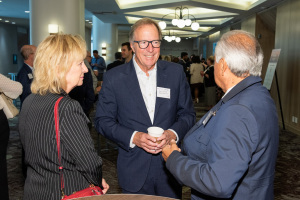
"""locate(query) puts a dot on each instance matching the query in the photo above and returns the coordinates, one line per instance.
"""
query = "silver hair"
(242, 53)
(141, 22)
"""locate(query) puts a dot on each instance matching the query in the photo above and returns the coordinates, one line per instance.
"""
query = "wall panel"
(287, 38)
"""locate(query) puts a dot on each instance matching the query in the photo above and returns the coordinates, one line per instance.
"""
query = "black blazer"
(25, 77)
(79, 158)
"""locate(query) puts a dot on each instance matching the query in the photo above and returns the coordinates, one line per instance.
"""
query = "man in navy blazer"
(142, 93)
(25, 75)
(231, 152)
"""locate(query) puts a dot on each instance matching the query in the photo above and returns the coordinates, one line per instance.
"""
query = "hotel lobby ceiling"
(212, 15)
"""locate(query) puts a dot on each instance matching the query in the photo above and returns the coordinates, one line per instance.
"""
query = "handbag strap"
(57, 131)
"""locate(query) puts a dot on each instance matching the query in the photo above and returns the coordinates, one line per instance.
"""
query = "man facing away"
(145, 92)
(231, 152)
(126, 52)
(25, 75)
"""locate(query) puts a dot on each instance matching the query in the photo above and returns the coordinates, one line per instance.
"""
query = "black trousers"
(4, 137)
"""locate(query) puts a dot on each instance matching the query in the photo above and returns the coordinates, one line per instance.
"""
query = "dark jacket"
(81, 163)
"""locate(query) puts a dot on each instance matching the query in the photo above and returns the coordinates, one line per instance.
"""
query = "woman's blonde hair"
(53, 60)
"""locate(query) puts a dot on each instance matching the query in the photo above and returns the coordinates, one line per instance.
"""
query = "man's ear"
(132, 49)
(224, 66)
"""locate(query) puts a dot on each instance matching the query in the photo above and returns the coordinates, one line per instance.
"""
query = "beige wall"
(287, 38)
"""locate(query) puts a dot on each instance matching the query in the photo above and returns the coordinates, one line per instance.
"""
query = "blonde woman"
(59, 67)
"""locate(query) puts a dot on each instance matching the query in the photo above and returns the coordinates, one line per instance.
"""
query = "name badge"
(163, 92)
(30, 76)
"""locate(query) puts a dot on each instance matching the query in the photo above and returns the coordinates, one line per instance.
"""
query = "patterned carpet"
(287, 180)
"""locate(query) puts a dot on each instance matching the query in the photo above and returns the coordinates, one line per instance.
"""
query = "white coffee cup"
(155, 131)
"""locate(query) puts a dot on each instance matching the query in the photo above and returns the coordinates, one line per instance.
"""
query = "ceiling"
(212, 15)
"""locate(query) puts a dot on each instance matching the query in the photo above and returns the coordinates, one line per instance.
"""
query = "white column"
(105, 33)
(67, 14)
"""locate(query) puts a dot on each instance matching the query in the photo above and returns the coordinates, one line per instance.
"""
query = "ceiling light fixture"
(27, 11)
(180, 20)
(170, 38)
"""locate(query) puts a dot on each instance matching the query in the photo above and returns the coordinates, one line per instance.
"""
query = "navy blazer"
(231, 152)
(84, 94)
(121, 110)
(24, 78)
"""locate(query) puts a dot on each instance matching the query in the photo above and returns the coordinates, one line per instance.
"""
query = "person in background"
(184, 61)
(25, 74)
(59, 67)
(203, 61)
(175, 60)
(196, 78)
(87, 62)
(231, 152)
(117, 62)
(126, 52)
(142, 93)
(209, 82)
(84, 93)
(98, 65)
(11, 89)
(25, 77)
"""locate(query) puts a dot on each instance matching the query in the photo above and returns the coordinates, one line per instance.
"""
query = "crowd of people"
(229, 153)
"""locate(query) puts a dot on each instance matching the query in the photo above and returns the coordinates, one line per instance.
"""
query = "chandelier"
(170, 38)
(181, 20)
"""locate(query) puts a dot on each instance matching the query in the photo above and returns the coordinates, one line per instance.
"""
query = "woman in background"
(11, 89)
(196, 78)
(209, 82)
(59, 67)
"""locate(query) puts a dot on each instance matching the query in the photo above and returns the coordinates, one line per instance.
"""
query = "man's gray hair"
(26, 50)
(242, 53)
(142, 22)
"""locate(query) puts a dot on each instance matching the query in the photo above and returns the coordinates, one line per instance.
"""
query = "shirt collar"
(227, 91)
(29, 67)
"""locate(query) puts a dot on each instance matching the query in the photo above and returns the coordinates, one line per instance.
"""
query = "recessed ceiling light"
(13, 22)
(90, 22)
(6, 21)
(27, 11)
(87, 20)
(0, 19)
(0, 1)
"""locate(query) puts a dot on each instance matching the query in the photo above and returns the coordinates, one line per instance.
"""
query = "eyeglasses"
(143, 44)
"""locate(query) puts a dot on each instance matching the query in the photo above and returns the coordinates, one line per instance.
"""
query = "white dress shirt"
(147, 84)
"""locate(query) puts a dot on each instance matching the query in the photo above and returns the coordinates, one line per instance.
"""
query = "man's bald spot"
(243, 42)
(26, 50)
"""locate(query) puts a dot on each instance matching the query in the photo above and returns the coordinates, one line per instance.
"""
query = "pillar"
(105, 33)
(67, 14)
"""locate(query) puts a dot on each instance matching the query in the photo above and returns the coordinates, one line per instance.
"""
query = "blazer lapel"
(161, 82)
(134, 89)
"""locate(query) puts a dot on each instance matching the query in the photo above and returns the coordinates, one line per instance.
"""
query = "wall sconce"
(52, 28)
(103, 52)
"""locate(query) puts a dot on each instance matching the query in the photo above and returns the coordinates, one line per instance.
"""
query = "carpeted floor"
(287, 180)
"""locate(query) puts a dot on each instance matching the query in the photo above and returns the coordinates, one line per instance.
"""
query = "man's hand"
(166, 138)
(105, 186)
(146, 142)
(168, 149)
